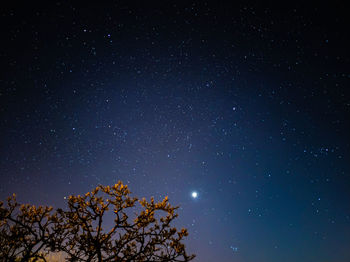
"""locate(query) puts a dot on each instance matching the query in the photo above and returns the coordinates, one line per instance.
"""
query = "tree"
(24, 231)
(139, 231)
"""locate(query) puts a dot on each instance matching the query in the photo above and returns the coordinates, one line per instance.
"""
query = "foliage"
(82, 232)
(24, 231)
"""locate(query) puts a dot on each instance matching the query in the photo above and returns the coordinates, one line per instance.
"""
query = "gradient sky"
(247, 105)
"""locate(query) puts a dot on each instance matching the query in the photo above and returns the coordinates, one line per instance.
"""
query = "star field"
(240, 114)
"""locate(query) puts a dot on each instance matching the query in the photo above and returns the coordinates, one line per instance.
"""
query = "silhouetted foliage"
(140, 231)
(24, 231)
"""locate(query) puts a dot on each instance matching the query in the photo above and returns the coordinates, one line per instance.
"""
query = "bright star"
(194, 194)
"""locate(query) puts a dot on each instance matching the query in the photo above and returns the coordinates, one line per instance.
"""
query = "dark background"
(246, 104)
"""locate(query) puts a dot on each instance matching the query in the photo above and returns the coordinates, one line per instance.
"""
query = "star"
(194, 194)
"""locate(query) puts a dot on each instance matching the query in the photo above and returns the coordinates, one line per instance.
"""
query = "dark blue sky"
(248, 105)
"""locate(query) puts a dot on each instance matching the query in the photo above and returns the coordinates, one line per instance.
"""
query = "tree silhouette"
(24, 231)
(140, 231)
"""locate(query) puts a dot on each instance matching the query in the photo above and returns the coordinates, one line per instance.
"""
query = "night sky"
(247, 105)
